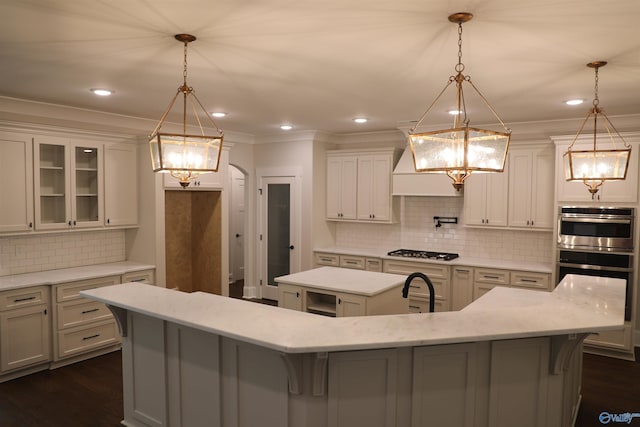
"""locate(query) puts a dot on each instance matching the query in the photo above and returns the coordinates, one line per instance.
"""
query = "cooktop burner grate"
(411, 253)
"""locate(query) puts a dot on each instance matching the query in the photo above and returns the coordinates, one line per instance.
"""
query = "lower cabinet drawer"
(327, 259)
(19, 298)
(79, 312)
(530, 280)
(355, 262)
(79, 340)
(421, 305)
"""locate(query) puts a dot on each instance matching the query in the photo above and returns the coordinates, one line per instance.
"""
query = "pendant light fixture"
(459, 150)
(186, 155)
(594, 167)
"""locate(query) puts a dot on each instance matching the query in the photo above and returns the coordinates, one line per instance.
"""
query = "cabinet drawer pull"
(461, 271)
(139, 280)
(93, 310)
(326, 259)
(24, 299)
(414, 306)
(529, 280)
(351, 262)
(90, 337)
(492, 277)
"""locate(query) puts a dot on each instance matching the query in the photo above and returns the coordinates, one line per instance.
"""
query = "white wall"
(417, 230)
(40, 252)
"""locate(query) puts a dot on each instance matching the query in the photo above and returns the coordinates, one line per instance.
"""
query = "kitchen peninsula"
(513, 354)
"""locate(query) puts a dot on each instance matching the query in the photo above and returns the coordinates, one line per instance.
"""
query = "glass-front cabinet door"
(68, 184)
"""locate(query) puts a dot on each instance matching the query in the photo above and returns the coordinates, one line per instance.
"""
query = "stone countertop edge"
(72, 274)
(579, 304)
(352, 281)
(537, 267)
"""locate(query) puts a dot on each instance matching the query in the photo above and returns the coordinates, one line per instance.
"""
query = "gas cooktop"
(411, 253)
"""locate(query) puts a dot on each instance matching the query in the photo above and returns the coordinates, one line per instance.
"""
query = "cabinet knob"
(339, 301)
(108, 221)
(30, 225)
(292, 247)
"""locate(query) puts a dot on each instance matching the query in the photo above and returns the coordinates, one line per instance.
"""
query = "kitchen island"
(340, 292)
(512, 356)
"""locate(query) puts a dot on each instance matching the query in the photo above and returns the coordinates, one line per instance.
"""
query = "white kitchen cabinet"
(24, 328)
(82, 326)
(342, 183)
(486, 279)
(485, 199)
(531, 185)
(356, 262)
(461, 287)
(120, 185)
(625, 191)
(351, 305)
(144, 276)
(290, 296)
(362, 388)
(205, 181)
(16, 182)
(440, 276)
(374, 187)
(359, 185)
(67, 184)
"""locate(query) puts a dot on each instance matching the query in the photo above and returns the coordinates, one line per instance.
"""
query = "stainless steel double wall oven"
(597, 241)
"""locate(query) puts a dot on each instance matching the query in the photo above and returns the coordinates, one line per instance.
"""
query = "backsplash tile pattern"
(26, 254)
(417, 230)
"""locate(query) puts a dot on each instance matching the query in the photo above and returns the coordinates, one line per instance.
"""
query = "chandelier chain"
(184, 71)
(459, 66)
(596, 101)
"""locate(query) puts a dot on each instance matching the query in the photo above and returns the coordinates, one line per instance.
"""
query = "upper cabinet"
(120, 185)
(625, 191)
(16, 182)
(68, 184)
(531, 183)
(206, 181)
(342, 184)
(359, 185)
(485, 199)
(51, 182)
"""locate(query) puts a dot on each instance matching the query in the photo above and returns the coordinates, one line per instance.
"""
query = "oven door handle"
(595, 267)
(598, 220)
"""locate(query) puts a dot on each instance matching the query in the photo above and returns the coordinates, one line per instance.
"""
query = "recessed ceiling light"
(360, 120)
(286, 127)
(574, 101)
(101, 92)
(218, 114)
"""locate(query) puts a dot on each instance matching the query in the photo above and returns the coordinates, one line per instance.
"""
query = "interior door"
(278, 232)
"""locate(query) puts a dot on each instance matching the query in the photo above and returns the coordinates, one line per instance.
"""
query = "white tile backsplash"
(26, 254)
(417, 230)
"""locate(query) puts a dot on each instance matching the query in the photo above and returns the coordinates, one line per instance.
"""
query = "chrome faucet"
(432, 296)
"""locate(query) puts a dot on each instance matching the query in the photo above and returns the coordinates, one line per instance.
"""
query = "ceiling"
(316, 64)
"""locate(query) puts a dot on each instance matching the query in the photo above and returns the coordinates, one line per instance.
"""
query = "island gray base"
(176, 375)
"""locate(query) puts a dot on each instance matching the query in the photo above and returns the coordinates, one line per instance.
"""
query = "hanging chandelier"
(186, 155)
(461, 149)
(594, 167)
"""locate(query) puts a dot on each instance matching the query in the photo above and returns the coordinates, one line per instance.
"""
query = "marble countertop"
(63, 275)
(536, 267)
(579, 304)
(358, 282)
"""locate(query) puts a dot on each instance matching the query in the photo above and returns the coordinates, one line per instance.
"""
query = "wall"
(26, 254)
(417, 230)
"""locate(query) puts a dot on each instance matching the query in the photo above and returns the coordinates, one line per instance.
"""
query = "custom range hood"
(408, 182)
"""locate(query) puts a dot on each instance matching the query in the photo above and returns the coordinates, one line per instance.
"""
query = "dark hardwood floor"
(84, 394)
(89, 394)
